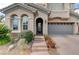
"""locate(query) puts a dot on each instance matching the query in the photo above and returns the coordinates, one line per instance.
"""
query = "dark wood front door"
(39, 26)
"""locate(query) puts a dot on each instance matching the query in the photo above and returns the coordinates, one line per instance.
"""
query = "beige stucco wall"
(19, 13)
(70, 19)
(66, 6)
(59, 13)
(75, 20)
(32, 20)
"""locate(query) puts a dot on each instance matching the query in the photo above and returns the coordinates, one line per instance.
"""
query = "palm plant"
(4, 34)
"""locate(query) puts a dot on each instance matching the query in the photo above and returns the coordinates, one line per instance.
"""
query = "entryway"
(39, 26)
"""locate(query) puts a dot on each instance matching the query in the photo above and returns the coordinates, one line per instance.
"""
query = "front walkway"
(39, 46)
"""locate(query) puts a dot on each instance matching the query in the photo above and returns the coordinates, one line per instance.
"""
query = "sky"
(3, 5)
(76, 5)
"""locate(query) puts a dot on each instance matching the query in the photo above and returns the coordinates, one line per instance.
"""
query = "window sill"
(15, 31)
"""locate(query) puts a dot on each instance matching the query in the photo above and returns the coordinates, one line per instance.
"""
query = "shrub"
(50, 42)
(4, 34)
(28, 35)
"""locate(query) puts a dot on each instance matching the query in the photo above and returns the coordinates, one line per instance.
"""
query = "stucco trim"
(39, 7)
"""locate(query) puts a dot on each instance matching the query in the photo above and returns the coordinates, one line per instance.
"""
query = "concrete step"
(39, 46)
(40, 53)
(39, 50)
(38, 41)
(39, 37)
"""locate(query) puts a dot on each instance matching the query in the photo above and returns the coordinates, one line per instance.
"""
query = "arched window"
(25, 22)
(15, 22)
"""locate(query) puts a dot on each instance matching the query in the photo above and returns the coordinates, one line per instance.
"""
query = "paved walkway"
(39, 46)
(67, 44)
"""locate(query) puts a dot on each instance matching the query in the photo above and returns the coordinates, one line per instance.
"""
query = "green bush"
(4, 34)
(28, 35)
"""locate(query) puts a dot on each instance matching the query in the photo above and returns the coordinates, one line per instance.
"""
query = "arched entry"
(39, 26)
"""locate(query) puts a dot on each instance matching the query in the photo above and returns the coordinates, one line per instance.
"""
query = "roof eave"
(17, 4)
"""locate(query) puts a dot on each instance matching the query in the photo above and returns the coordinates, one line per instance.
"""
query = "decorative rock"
(12, 46)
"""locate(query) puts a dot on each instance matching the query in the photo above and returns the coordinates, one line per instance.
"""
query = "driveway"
(67, 44)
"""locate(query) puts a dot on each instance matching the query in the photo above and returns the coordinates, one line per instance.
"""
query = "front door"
(39, 26)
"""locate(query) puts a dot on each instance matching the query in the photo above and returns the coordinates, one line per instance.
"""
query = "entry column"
(75, 28)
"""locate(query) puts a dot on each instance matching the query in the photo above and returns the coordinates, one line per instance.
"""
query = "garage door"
(60, 28)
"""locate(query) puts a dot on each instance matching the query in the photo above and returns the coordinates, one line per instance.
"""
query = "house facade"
(42, 19)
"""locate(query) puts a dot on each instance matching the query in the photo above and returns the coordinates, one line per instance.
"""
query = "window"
(15, 22)
(25, 22)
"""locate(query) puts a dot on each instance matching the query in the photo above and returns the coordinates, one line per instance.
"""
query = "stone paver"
(39, 46)
(67, 44)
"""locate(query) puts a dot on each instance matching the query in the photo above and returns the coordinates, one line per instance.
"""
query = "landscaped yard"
(20, 45)
(20, 49)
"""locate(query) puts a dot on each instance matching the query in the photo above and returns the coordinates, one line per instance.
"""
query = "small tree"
(4, 34)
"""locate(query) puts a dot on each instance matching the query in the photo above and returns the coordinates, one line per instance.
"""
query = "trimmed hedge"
(28, 35)
(4, 34)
